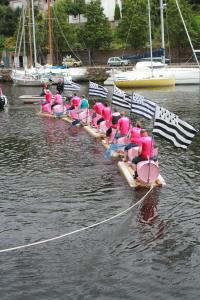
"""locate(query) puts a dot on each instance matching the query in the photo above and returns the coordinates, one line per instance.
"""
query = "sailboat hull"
(145, 83)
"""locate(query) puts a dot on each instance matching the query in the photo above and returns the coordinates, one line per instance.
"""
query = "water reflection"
(148, 210)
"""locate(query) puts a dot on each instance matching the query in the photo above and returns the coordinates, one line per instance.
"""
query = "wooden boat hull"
(145, 83)
(93, 132)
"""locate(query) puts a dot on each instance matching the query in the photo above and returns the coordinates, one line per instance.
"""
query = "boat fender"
(148, 171)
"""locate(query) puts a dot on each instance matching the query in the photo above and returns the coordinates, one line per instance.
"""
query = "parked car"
(118, 61)
(72, 62)
(157, 55)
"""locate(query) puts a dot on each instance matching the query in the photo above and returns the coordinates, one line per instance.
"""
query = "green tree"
(4, 2)
(9, 43)
(2, 41)
(8, 16)
(77, 7)
(96, 32)
(133, 26)
(177, 34)
(117, 15)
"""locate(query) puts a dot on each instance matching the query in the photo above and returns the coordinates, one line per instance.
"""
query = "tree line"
(131, 28)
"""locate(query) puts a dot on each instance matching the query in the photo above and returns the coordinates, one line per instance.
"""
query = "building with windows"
(17, 3)
(42, 4)
(108, 7)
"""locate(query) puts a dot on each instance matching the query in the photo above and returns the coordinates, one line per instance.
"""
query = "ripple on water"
(54, 179)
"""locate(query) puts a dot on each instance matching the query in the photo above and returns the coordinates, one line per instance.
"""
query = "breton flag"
(70, 85)
(120, 98)
(142, 106)
(169, 126)
(97, 90)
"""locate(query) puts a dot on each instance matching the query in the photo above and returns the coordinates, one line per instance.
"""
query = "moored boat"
(145, 82)
(3, 100)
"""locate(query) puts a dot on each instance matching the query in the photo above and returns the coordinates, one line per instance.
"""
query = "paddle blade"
(75, 122)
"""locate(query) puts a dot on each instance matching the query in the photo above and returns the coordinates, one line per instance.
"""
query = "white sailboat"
(36, 74)
(142, 70)
(27, 76)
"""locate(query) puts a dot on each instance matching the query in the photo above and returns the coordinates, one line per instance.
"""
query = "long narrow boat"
(31, 99)
(124, 167)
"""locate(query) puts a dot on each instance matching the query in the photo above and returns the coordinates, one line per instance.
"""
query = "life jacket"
(135, 135)
(76, 101)
(58, 99)
(123, 125)
(106, 113)
(147, 144)
(46, 108)
(48, 97)
(98, 107)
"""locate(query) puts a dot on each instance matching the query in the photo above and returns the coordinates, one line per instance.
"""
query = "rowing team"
(135, 143)
(56, 105)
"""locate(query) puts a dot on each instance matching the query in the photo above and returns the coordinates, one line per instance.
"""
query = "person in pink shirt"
(75, 102)
(98, 107)
(146, 150)
(135, 136)
(46, 108)
(48, 96)
(58, 99)
(113, 123)
(97, 112)
(106, 114)
(123, 126)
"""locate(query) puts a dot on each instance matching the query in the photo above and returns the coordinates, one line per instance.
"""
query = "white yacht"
(147, 69)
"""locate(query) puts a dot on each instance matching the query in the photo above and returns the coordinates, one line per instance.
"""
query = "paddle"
(78, 121)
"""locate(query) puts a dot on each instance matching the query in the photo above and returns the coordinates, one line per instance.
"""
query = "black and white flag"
(169, 126)
(70, 85)
(120, 98)
(97, 90)
(142, 106)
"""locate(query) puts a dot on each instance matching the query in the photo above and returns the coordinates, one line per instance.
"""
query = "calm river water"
(54, 179)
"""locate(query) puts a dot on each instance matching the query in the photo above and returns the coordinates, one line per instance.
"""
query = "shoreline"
(96, 73)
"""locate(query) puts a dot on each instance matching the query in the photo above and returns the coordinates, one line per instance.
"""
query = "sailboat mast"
(150, 37)
(30, 36)
(162, 30)
(50, 38)
(24, 38)
(34, 42)
(191, 45)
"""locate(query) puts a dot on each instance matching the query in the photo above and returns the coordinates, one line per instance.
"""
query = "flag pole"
(131, 104)
(152, 144)
(112, 96)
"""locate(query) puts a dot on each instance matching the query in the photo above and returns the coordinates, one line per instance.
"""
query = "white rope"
(78, 230)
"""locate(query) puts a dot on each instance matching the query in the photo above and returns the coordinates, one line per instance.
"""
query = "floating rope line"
(78, 230)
